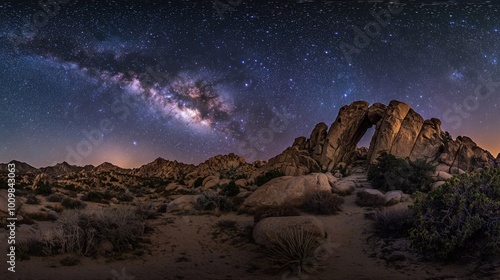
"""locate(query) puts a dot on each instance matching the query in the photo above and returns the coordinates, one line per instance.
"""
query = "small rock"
(393, 197)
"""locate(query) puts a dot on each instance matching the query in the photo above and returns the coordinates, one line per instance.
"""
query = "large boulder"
(267, 230)
(182, 203)
(287, 190)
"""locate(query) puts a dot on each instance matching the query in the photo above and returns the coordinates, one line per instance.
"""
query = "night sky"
(128, 82)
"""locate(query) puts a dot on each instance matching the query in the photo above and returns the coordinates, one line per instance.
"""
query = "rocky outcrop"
(266, 231)
(400, 131)
(226, 166)
(163, 168)
(21, 168)
(108, 167)
(288, 190)
(42, 179)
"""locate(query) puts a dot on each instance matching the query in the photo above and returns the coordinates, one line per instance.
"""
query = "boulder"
(210, 182)
(437, 184)
(266, 231)
(344, 187)
(182, 203)
(287, 190)
(393, 197)
(443, 176)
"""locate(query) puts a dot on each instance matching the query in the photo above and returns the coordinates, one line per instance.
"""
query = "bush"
(43, 189)
(54, 198)
(41, 216)
(230, 189)
(460, 216)
(393, 222)
(367, 200)
(125, 197)
(33, 246)
(81, 233)
(268, 176)
(281, 211)
(295, 249)
(211, 201)
(32, 199)
(392, 173)
(146, 210)
(70, 203)
(323, 202)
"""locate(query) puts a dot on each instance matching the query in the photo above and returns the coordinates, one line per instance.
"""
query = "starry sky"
(129, 81)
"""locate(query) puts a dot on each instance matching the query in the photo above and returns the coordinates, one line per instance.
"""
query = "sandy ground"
(193, 247)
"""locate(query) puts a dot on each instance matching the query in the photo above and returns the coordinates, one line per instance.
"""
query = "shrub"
(211, 201)
(33, 246)
(70, 203)
(32, 199)
(392, 222)
(92, 196)
(43, 189)
(295, 249)
(198, 182)
(460, 216)
(41, 216)
(323, 202)
(230, 189)
(392, 173)
(281, 211)
(82, 232)
(125, 197)
(146, 210)
(367, 200)
(268, 176)
(54, 198)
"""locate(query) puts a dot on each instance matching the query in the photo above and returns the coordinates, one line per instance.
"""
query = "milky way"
(186, 80)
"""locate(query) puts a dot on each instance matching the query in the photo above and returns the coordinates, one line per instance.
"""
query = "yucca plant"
(294, 248)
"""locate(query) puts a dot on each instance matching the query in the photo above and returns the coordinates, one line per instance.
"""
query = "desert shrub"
(323, 202)
(31, 247)
(70, 203)
(295, 249)
(198, 182)
(146, 210)
(70, 187)
(92, 196)
(81, 232)
(125, 197)
(32, 199)
(268, 176)
(392, 173)
(230, 189)
(392, 222)
(212, 201)
(364, 199)
(54, 198)
(280, 211)
(460, 216)
(43, 189)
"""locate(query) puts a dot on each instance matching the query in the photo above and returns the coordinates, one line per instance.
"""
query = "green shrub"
(323, 202)
(230, 189)
(268, 176)
(460, 216)
(392, 173)
(212, 201)
(281, 211)
(70, 203)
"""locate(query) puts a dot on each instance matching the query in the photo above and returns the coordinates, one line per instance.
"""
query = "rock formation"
(399, 131)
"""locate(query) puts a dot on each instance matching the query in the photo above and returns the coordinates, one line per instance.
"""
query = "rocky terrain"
(198, 218)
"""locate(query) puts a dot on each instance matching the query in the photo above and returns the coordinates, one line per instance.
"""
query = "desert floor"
(194, 247)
